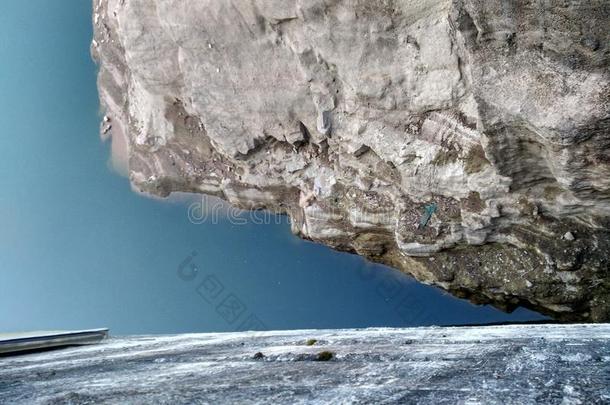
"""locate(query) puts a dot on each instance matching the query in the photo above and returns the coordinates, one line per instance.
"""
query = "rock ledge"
(465, 142)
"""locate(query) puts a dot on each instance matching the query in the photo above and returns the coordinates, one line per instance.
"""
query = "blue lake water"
(79, 249)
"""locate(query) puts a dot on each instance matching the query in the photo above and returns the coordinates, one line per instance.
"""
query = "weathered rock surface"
(355, 116)
(549, 364)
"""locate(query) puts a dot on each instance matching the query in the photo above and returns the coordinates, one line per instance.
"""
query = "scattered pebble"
(325, 356)
(590, 43)
(535, 212)
(569, 236)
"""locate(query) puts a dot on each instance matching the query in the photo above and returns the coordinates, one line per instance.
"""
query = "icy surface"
(567, 364)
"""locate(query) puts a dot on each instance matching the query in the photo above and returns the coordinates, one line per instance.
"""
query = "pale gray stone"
(535, 364)
(497, 112)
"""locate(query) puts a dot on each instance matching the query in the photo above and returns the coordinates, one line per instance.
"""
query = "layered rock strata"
(359, 118)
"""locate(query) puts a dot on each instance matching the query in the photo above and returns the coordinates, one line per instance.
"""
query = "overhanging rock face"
(356, 116)
(549, 364)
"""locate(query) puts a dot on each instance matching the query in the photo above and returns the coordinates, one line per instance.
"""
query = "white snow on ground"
(498, 364)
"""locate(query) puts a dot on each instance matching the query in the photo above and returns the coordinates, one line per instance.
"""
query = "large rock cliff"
(465, 142)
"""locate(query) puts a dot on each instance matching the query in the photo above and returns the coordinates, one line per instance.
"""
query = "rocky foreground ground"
(550, 364)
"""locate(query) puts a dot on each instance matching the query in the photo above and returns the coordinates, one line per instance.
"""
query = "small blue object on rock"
(430, 209)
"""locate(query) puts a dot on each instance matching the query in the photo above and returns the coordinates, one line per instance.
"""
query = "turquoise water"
(79, 249)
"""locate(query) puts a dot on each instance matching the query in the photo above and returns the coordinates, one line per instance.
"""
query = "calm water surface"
(79, 249)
